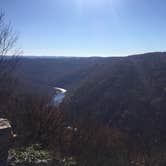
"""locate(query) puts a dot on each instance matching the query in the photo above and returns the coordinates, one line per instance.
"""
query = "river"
(59, 96)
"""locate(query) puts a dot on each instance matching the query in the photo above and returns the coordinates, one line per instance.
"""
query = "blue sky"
(88, 27)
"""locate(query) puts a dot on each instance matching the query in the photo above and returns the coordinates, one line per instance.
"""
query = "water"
(59, 96)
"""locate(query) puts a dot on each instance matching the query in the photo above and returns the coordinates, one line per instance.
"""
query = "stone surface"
(5, 138)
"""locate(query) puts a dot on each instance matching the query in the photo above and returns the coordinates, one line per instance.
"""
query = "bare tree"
(8, 60)
(8, 40)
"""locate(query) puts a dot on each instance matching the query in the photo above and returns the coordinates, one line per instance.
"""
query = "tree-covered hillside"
(113, 114)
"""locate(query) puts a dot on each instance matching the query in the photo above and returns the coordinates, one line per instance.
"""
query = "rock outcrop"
(6, 136)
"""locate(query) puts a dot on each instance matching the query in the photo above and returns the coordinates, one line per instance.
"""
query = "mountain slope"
(129, 93)
(126, 92)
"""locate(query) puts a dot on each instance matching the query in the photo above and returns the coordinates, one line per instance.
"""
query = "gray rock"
(5, 139)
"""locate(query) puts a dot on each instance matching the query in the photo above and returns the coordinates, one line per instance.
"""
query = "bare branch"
(8, 40)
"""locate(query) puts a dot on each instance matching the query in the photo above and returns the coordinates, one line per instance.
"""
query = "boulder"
(5, 140)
